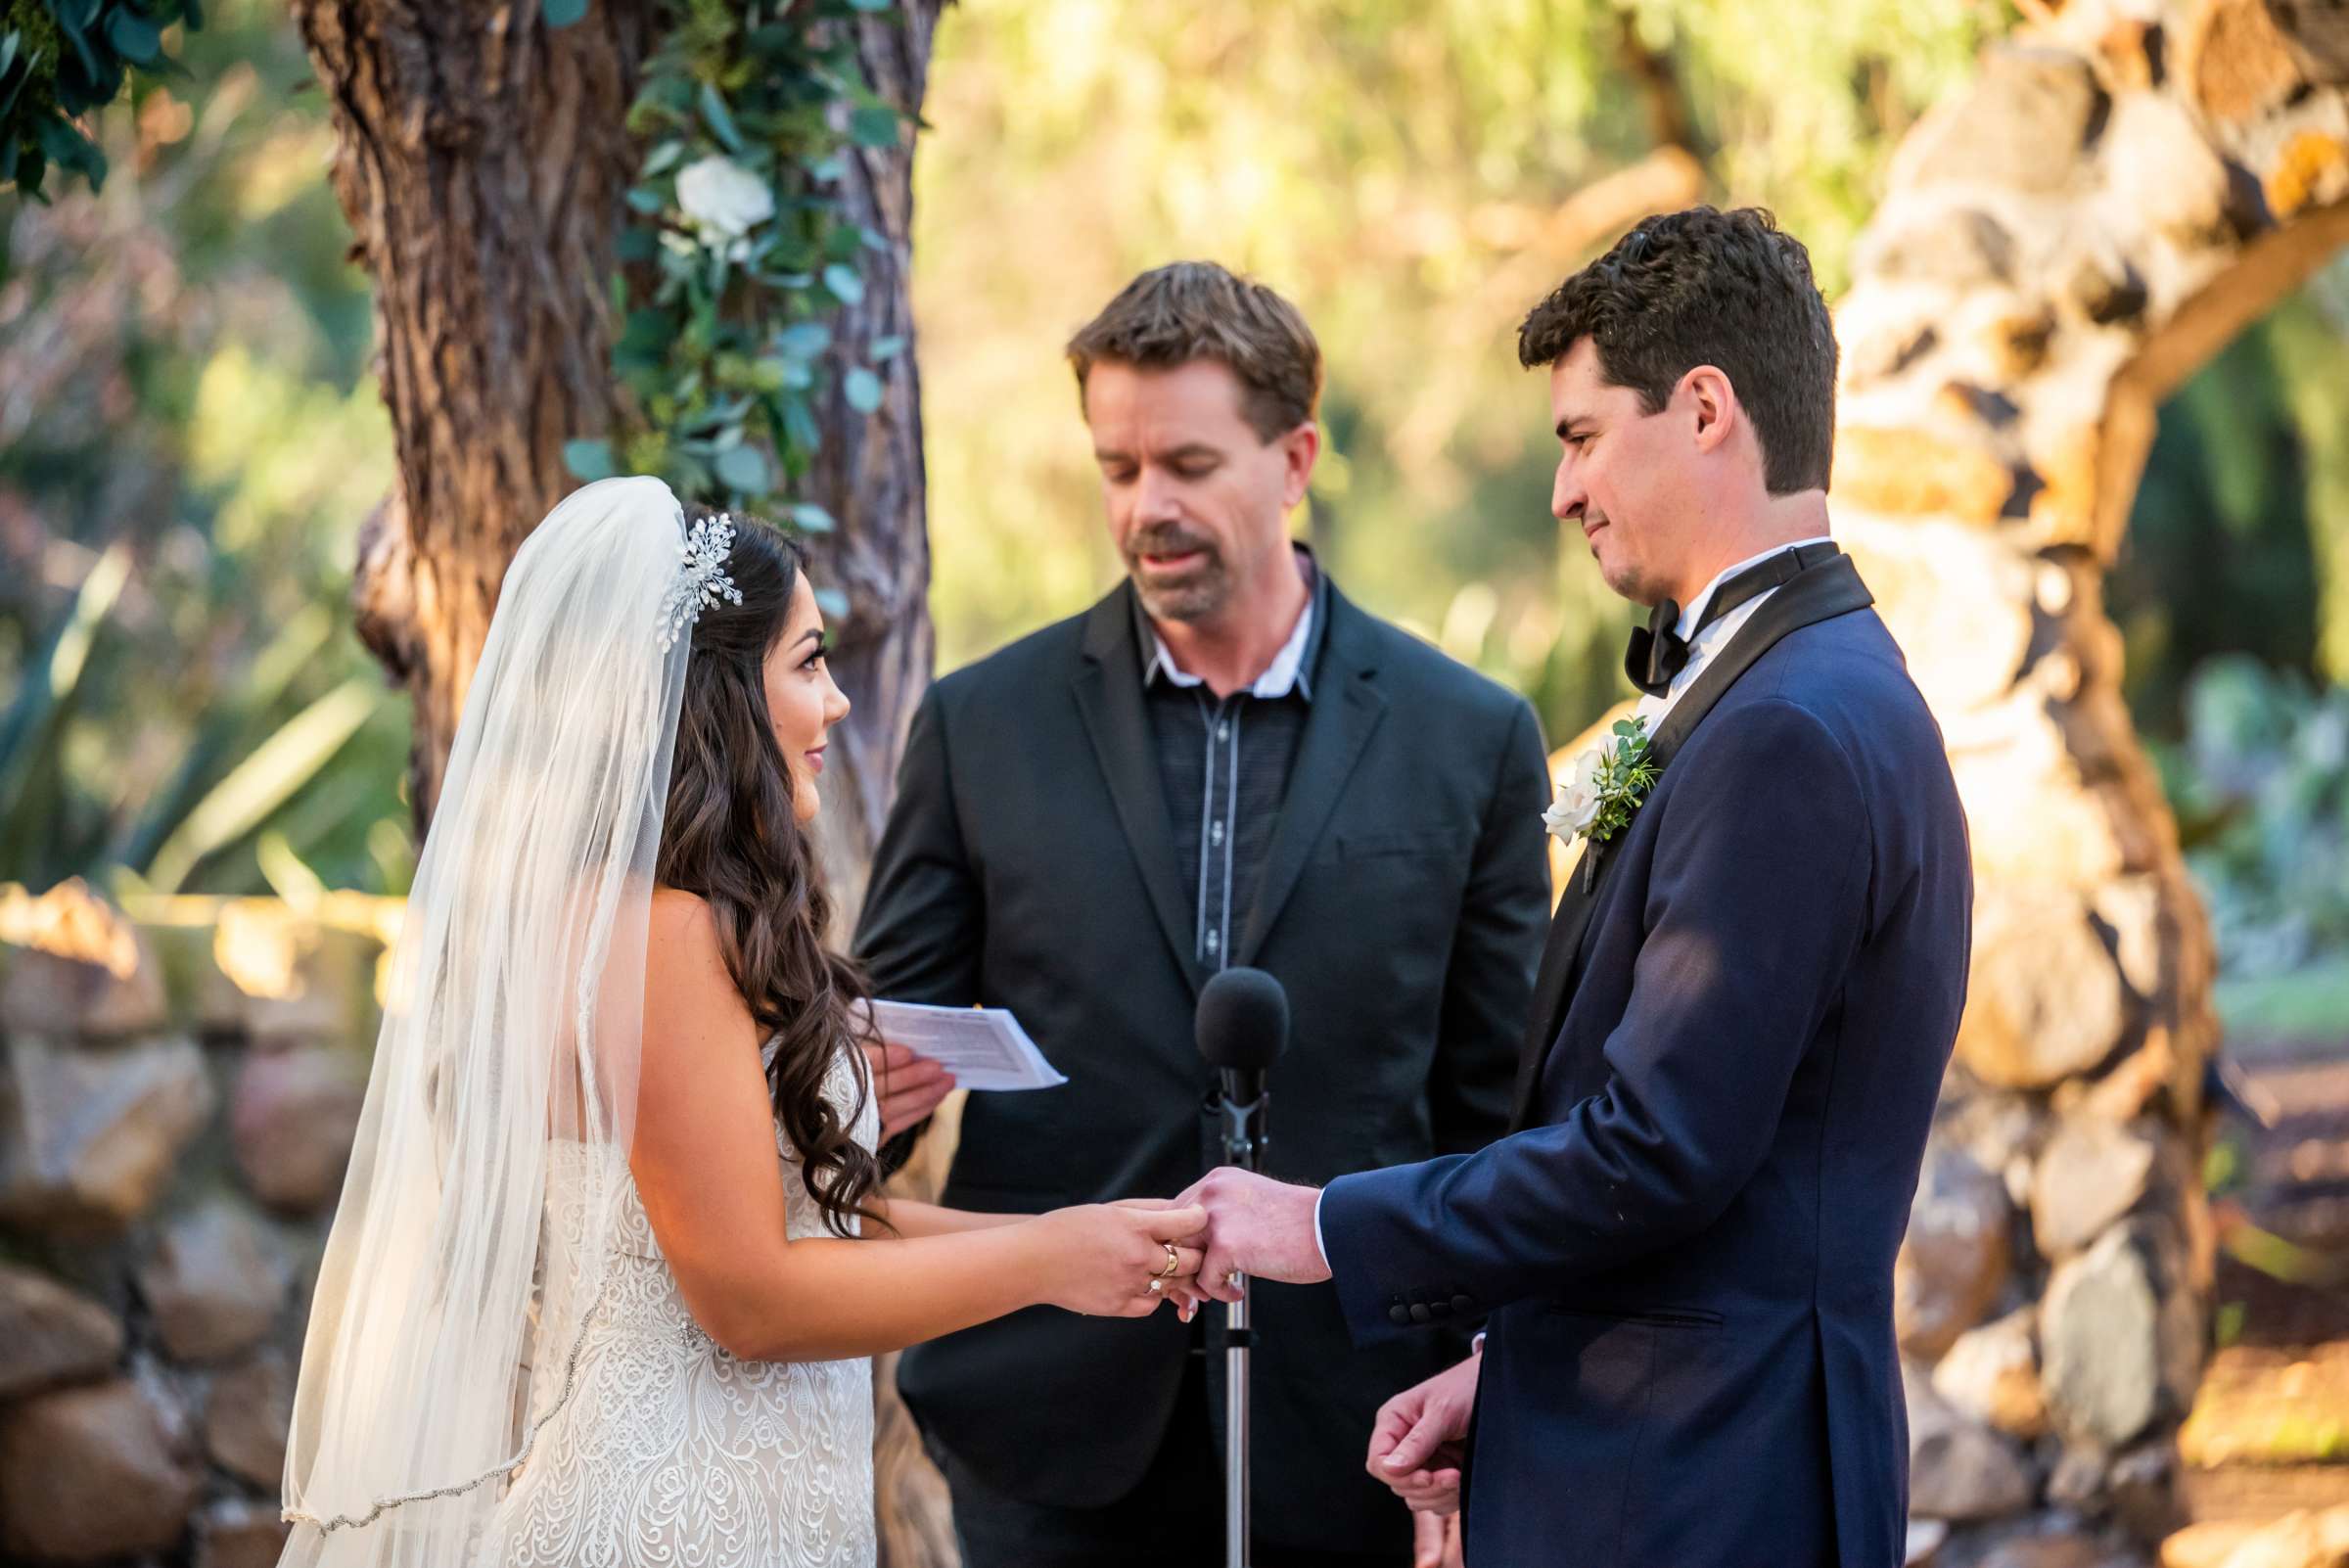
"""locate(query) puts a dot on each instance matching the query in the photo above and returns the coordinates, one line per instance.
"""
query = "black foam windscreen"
(1243, 1020)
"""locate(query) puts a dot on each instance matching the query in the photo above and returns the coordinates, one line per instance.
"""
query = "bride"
(611, 1251)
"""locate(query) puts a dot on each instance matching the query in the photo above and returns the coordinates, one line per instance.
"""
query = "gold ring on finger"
(1173, 1262)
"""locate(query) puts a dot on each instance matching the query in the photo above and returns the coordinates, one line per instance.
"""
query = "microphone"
(1242, 1024)
(1241, 1027)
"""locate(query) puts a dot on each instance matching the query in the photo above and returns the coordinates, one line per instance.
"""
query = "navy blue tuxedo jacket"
(1737, 1040)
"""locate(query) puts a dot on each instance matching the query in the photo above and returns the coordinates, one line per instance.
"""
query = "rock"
(2062, 1546)
(2027, 115)
(2120, 1334)
(1958, 1470)
(2303, 1539)
(234, 1533)
(50, 1335)
(89, 1139)
(2104, 288)
(1955, 598)
(90, 1473)
(2143, 1490)
(215, 1284)
(2310, 169)
(75, 968)
(1992, 1374)
(2300, 1540)
(2091, 1174)
(2078, 1480)
(2234, 62)
(295, 978)
(1955, 1255)
(245, 1425)
(292, 1115)
(1908, 472)
(1957, 245)
(2161, 171)
(2045, 999)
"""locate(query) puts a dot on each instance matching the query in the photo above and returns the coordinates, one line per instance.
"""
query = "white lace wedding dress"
(671, 1454)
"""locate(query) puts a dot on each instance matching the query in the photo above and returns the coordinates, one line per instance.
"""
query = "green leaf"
(266, 780)
(874, 126)
(811, 517)
(664, 158)
(590, 460)
(832, 602)
(744, 469)
(563, 13)
(845, 286)
(719, 118)
(800, 428)
(871, 7)
(884, 349)
(805, 339)
(863, 389)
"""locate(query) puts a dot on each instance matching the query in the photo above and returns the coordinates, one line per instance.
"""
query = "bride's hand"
(1104, 1259)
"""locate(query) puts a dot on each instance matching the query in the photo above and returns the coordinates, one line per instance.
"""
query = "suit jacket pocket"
(1381, 844)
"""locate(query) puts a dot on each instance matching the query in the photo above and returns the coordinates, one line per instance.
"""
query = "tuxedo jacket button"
(1421, 1315)
(1399, 1314)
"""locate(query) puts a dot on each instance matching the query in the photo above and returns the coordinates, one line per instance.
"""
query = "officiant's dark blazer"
(1737, 1043)
(1028, 863)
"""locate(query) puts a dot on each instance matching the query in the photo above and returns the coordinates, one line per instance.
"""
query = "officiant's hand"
(908, 1086)
(1258, 1226)
(1415, 1444)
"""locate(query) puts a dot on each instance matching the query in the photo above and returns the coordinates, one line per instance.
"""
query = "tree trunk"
(869, 476)
(480, 158)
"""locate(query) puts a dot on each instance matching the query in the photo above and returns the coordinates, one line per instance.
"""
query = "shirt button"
(1214, 939)
(1214, 833)
(1222, 732)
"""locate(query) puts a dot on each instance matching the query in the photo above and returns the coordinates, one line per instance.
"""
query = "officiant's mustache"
(1168, 538)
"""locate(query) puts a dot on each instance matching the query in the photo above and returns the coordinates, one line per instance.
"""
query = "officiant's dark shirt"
(1225, 766)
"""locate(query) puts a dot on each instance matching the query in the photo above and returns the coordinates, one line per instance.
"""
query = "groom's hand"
(1255, 1225)
(1415, 1442)
(910, 1086)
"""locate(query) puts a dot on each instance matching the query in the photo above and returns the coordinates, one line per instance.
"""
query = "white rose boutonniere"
(1603, 787)
(723, 201)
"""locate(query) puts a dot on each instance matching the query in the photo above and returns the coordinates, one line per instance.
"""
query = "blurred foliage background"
(189, 437)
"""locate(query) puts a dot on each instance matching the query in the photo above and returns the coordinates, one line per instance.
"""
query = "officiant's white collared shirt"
(1701, 649)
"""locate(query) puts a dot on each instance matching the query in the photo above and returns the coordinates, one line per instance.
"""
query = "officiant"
(1224, 762)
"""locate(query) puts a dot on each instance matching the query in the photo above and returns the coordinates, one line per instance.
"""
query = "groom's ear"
(1712, 405)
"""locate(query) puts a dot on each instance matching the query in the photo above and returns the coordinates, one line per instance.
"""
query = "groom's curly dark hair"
(1704, 287)
(728, 836)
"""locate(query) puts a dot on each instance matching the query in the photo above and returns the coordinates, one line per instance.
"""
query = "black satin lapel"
(1337, 727)
(1109, 694)
(1822, 593)
(1830, 589)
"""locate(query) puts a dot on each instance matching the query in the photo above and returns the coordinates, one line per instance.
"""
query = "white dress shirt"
(1701, 650)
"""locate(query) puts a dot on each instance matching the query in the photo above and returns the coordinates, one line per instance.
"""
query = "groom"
(1684, 1250)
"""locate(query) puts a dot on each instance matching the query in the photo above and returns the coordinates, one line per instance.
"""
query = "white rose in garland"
(1576, 805)
(723, 201)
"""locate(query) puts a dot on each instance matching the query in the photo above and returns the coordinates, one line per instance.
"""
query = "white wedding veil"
(510, 1043)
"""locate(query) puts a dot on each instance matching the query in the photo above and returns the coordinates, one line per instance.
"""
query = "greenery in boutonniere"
(1603, 789)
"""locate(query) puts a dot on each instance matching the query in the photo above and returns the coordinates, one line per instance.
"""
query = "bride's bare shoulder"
(686, 983)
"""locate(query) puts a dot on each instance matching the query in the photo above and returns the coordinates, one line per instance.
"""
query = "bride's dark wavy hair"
(730, 837)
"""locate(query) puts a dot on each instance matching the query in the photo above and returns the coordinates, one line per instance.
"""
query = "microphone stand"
(1243, 1148)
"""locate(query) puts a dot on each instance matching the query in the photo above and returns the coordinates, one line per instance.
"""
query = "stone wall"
(177, 1098)
(2125, 185)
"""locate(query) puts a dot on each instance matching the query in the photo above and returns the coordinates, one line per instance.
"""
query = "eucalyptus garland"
(61, 59)
(738, 251)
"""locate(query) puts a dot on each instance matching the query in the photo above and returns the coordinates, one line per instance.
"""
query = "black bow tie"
(1658, 652)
